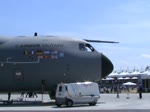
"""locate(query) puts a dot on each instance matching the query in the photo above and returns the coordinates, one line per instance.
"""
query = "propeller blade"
(99, 41)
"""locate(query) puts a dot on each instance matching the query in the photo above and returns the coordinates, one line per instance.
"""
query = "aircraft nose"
(107, 66)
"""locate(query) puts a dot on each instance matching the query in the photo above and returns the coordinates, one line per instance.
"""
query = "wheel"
(69, 103)
(92, 104)
(58, 105)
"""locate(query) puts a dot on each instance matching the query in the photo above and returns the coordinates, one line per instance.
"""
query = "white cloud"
(145, 56)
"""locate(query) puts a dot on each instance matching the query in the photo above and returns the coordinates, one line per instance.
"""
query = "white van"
(77, 93)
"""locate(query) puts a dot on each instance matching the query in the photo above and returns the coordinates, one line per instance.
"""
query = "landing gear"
(9, 95)
(42, 84)
(8, 101)
(52, 92)
(31, 94)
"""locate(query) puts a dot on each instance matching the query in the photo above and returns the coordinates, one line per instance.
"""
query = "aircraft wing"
(100, 41)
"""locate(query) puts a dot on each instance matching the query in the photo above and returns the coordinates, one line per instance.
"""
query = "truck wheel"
(69, 103)
(92, 104)
(58, 105)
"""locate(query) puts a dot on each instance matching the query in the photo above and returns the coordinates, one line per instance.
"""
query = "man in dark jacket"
(140, 89)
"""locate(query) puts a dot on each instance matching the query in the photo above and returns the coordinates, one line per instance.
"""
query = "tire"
(92, 104)
(69, 103)
(58, 105)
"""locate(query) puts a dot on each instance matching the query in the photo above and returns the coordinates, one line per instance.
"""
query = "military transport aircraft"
(40, 62)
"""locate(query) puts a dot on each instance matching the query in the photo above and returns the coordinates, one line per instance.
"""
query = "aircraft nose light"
(107, 66)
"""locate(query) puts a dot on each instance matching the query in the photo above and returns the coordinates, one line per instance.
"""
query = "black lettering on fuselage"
(40, 45)
(29, 45)
(52, 45)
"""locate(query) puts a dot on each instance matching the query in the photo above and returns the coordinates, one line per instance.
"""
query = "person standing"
(140, 89)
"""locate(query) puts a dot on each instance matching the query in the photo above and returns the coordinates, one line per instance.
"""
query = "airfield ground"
(107, 103)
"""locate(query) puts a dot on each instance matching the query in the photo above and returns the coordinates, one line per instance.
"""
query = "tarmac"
(107, 103)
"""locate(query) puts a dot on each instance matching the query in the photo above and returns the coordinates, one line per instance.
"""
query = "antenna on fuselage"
(35, 34)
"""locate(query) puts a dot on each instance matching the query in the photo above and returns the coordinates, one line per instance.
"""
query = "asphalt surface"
(107, 103)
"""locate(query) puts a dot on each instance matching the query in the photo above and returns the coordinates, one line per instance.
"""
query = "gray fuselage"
(26, 62)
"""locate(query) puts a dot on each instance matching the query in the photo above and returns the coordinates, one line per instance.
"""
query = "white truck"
(77, 93)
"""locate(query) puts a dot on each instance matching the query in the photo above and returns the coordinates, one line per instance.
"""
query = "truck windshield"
(60, 88)
(66, 88)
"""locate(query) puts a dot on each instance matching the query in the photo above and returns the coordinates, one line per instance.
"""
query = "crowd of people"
(114, 89)
(123, 89)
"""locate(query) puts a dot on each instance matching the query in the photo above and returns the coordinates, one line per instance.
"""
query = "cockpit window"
(82, 47)
(66, 88)
(89, 48)
(86, 47)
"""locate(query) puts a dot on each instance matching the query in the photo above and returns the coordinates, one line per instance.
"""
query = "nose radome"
(107, 66)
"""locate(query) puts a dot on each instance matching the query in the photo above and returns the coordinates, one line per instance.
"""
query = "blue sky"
(126, 21)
